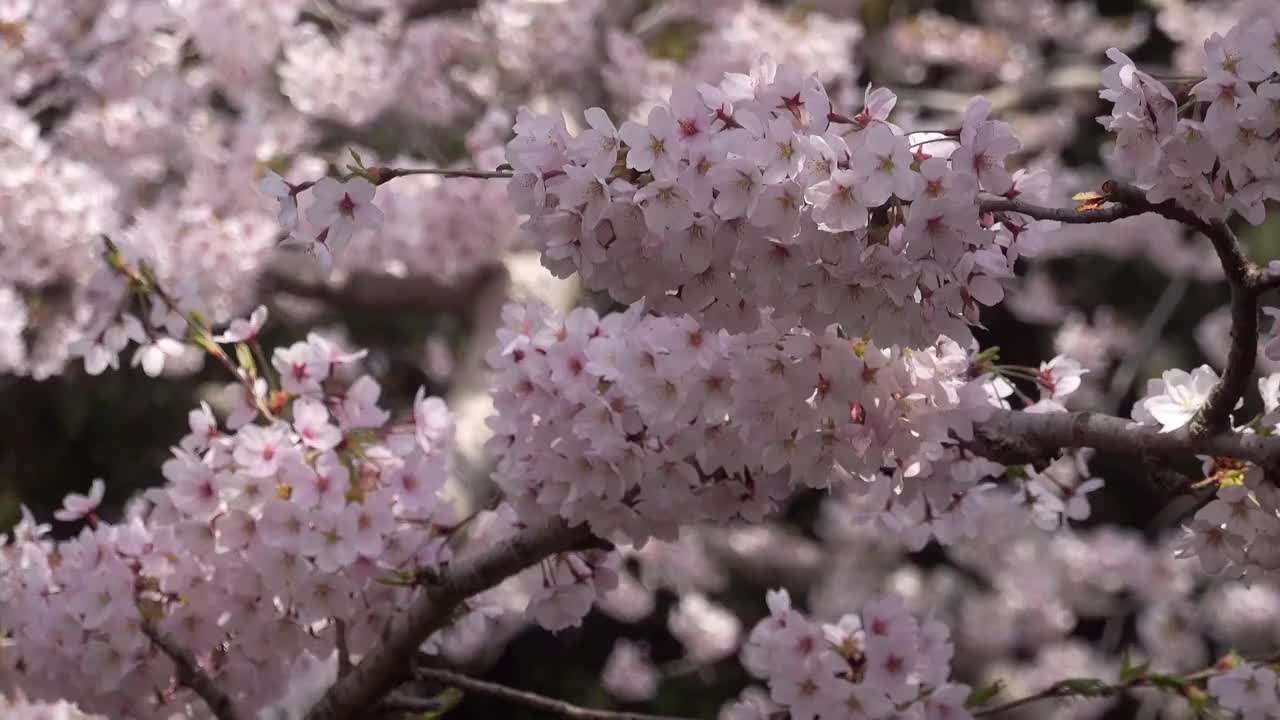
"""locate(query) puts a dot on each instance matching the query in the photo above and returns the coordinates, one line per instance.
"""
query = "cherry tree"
(794, 278)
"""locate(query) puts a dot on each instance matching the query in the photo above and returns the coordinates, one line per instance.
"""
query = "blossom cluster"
(1238, 531)
(755, 194)
(639, 423)
(1210, 145)
(879, 663)
(304, 507)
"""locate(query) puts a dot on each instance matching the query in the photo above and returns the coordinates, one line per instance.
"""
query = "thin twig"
(385, 175)
(528, 699)
(1078, 687)
(192, 676)
(142, 277)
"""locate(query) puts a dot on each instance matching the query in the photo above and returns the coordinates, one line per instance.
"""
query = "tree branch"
(1070, 216)
(383, 175)
(1245, 279)
(387, 664)
(413, 10)
(1092, 688)
(340, 644)
(1267, 280)
(1015, 437)
(528, 699)
(192, 676)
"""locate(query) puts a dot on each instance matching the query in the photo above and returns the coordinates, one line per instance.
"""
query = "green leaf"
(356, 156)
(447, 700)
(112, 254)
(400, 579)
(991, 354)
(1129, 672)
(1168, 682)
(146, 271)
(244, 356)
(200, 336)
(983, 695)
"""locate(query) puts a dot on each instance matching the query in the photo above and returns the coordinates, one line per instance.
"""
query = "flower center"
(346, 205)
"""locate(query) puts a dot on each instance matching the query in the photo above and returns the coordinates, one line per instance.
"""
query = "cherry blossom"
(343, 208)
(1175, 398)
(77, 506)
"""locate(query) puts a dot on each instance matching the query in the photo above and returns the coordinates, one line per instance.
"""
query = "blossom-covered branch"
(386, 665)
(528, 699)
(192, 676)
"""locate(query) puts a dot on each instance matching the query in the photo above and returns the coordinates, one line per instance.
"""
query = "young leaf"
(1129, 672)
(1089, 200)
(244, 356)
(985, 694)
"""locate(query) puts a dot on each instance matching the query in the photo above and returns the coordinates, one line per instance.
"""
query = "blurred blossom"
(629, 674)
(1242, 617)
(708, 631)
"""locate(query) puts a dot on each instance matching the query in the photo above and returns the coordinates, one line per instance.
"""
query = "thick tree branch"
(1245, 280)
(340, 644)
(1015, 437)
(412, 10)
(190, 675)
(1242, 356)
(388, 663)
(1267, 279)
(528, 699)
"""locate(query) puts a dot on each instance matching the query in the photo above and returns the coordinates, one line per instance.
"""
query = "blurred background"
(153, 120)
